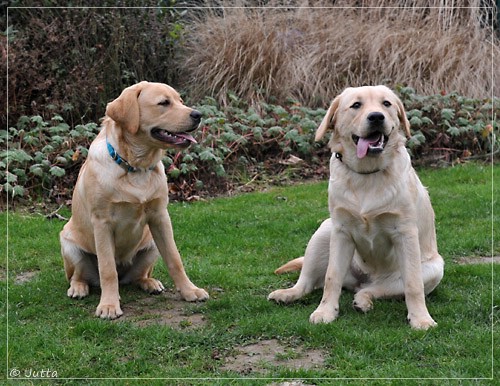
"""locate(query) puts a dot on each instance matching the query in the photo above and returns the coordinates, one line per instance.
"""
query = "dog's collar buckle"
(122, 162)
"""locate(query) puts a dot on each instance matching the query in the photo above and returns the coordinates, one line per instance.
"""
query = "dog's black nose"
(376, 118)
(195, 115)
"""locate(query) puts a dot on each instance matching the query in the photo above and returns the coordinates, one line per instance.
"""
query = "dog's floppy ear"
(405, 124)
(328, 120)
(125, 109)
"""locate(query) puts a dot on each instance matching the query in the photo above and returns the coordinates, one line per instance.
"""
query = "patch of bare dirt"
(165, 309)
(478, 260)
(291, 383)
(257, 357)
(25, 277)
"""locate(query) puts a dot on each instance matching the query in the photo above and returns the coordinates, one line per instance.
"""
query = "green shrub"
(43, 157)
(450, 126)
(240, 143)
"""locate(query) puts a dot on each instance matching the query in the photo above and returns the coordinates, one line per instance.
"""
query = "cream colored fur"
(380, 241)
(119, 222)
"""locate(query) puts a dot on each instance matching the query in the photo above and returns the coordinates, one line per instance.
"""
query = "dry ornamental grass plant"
(312, 53)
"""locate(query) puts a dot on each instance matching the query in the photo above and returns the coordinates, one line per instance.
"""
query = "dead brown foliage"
(71, 59)
(312, 53)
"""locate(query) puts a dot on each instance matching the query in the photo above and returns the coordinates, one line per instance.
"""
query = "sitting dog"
(380, 240)
(119, 222)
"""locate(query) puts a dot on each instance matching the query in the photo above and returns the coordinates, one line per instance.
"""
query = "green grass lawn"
(231, 246)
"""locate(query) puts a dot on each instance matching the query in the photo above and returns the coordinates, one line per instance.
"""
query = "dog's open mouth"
(174, 139)
(373, 144)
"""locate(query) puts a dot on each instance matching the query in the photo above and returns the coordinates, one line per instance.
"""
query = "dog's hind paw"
(151, 285)
(283, 296)
(78, 289)
(362, 302)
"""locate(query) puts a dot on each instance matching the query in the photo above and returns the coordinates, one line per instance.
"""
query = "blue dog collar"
(121, 162)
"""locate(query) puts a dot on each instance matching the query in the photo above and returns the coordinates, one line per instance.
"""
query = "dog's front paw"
(421, 322)
(109, 311)
(194, 294)
(78, 289)
(151, 285)
(323, 315)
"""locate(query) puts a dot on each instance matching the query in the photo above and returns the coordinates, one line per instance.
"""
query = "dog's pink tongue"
(362, 149)
(186, 136)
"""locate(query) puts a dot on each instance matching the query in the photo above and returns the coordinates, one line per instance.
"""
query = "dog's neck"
(339, 157)
(123, 163)
(129, 155)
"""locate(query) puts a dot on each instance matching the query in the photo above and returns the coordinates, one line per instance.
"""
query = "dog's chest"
(370, 226)
(373, 241)
(130, 230)
(368, 231)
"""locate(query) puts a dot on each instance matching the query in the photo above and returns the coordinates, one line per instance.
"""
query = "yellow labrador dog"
(119, 223)
(380, 240)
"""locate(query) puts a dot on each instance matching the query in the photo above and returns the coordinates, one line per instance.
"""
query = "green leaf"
(463, 122)
(57, 118)
(453, 131)
(274, 131)
(61, 160)
(427, 121)
(417, 139)
(257, 133)
(19, 172)
(36, 170)
(17, 155)
(220, 171)
(447, 114)
(23, 122)
(414, 113)
(207, 155)
(187, 158)
(292, 134)
(48, 149)
(18, 190)
(174, 172)
(415, 121)
(38, 120)
(308, 124)
(10, 177)
(57, 171)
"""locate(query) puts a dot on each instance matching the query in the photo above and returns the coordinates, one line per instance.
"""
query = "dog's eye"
(166, 102)
(356, 105)
(387, 103)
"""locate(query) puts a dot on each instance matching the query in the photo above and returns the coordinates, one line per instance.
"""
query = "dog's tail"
(291, 266)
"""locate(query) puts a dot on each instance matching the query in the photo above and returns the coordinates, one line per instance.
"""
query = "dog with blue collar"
(119, 224)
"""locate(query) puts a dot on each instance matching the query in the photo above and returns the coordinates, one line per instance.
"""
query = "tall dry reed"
(311, 52)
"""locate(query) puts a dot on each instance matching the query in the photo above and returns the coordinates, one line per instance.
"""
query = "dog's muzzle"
(374, 143)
